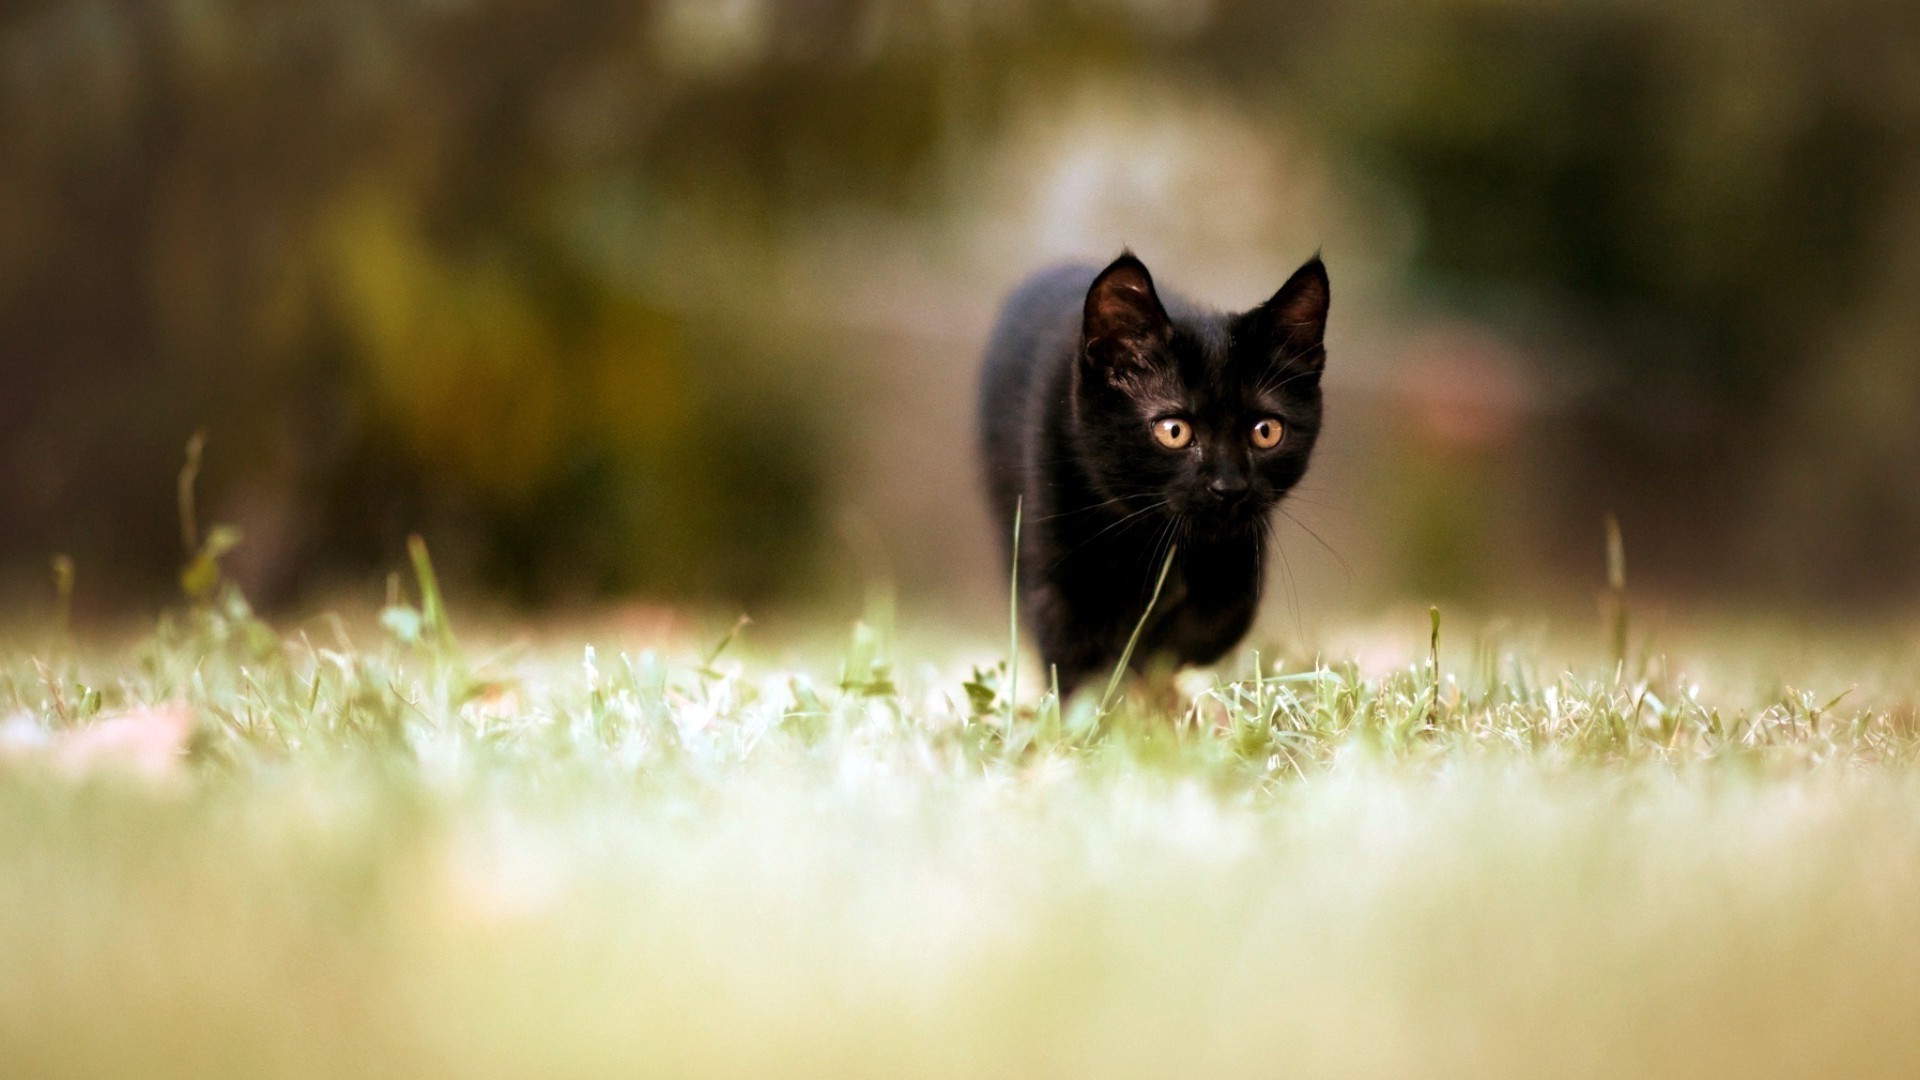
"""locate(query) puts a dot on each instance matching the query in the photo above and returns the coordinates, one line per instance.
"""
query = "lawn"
(315, 850)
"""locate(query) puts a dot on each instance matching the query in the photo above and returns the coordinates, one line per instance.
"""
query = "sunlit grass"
(386, 852)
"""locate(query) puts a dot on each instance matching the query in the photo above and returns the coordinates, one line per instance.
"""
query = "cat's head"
(1205, 416)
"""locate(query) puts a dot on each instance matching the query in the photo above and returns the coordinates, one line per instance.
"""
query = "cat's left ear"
(1296, 317)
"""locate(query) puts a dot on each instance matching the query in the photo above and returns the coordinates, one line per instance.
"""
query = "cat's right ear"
(1296, 317)
(1123, 322)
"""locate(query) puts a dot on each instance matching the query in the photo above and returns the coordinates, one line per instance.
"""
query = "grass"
(386, 853)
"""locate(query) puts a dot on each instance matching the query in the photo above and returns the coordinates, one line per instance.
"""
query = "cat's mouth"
(1216, 517)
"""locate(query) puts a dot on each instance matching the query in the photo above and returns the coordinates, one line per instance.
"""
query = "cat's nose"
(1227, 486)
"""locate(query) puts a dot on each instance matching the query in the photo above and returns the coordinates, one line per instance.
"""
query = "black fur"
(1082, 363)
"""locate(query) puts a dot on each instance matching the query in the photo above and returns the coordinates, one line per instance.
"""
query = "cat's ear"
(1123, 322)
(1296, 317)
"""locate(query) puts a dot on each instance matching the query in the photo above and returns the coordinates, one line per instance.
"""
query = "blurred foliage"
(1707, 214)
(521, 275)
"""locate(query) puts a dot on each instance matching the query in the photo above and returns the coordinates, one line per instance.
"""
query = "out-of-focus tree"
(1699, 209)
(523, 274)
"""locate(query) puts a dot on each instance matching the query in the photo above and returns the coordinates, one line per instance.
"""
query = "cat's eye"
(1267, 432)
(1173, 432)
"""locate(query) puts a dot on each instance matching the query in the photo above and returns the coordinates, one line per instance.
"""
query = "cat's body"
(1091, 379)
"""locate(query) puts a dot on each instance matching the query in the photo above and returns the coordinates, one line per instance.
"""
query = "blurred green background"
(682, 301)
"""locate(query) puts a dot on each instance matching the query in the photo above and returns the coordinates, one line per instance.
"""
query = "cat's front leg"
(1073, 645)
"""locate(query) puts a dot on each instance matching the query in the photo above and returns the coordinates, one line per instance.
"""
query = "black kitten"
(1125, 425)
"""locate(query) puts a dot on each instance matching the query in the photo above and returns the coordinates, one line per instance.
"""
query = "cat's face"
(1205, 418)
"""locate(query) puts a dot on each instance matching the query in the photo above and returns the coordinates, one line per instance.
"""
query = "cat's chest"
(1201, 577)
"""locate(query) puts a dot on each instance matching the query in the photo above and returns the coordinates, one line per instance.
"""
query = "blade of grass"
(712, 657)
(1126, 655)
(1013, 618)
(62, 597)
(189, 477)
(433, 609)
(1433, 661)
(1617, 596)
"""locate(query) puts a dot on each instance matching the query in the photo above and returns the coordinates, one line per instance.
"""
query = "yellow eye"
(1173, 432)
(1266, 433)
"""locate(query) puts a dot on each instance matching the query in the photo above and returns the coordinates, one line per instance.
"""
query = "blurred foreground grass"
(229, 852)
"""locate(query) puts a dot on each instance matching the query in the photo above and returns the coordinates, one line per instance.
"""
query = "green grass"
(389, 854)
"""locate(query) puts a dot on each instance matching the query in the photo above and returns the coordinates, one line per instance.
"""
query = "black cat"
(1124, 425)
